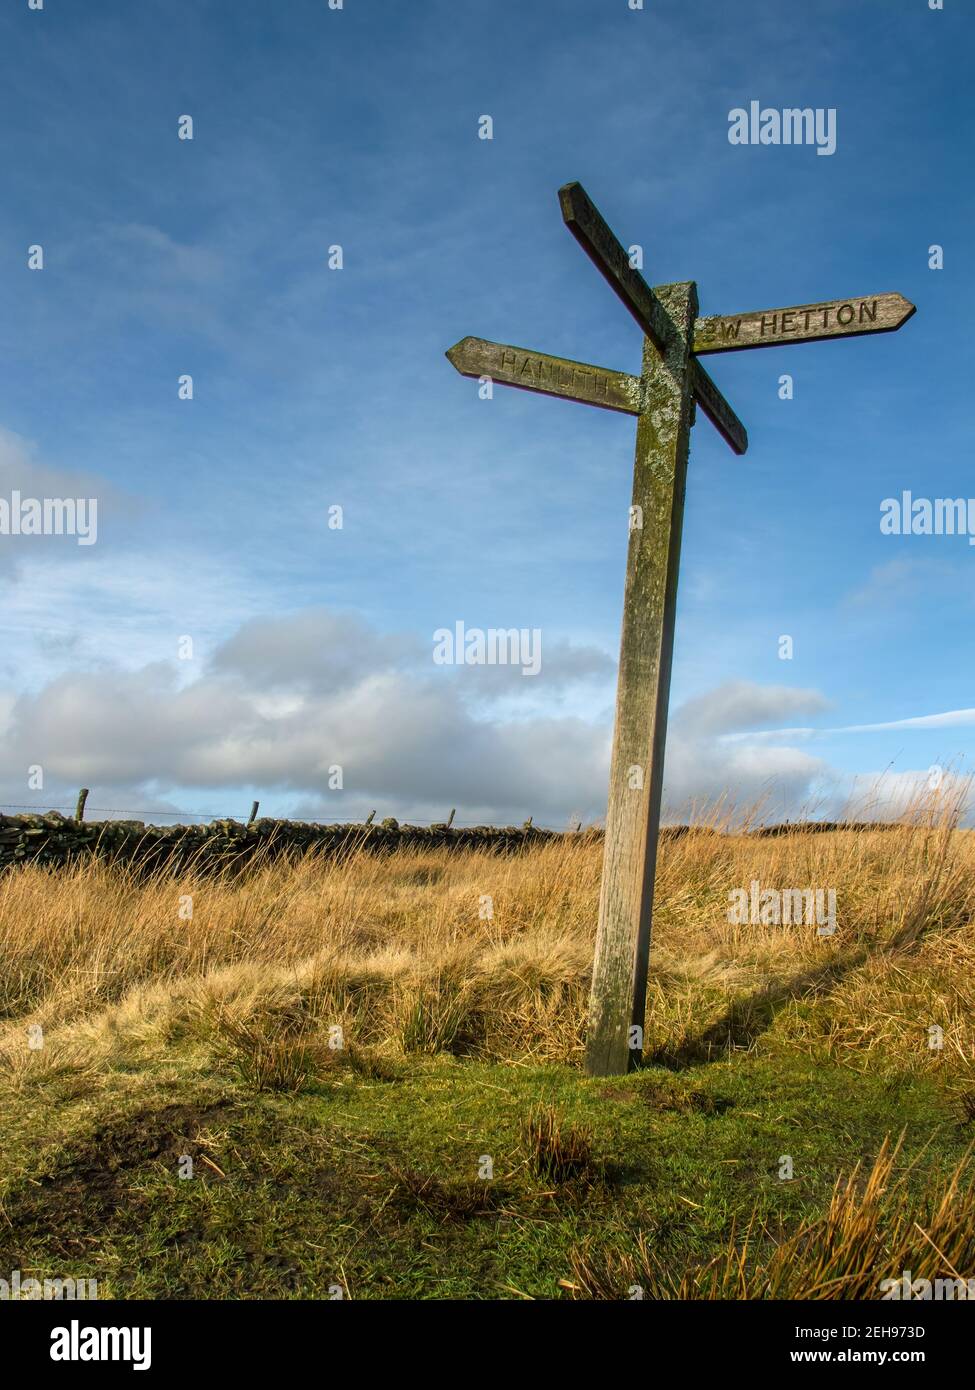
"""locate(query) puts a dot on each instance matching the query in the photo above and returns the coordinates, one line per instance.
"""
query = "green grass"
(367, 1176)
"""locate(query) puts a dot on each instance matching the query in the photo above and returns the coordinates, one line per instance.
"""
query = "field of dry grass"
(121, 996)
(485, 956)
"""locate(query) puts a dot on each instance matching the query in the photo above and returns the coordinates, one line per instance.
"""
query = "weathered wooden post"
(79, 812)
(253, 815)
(663, 398)
(643, 689)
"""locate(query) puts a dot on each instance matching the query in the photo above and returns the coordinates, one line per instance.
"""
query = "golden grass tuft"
(870, 1234)
(273, 1055)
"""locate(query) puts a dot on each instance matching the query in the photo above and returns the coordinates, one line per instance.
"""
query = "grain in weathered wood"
(803, 323)
(619, 985)
(717, 409)
(594, 235)
(551, 376)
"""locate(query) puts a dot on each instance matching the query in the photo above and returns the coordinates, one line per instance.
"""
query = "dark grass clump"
(457, 1200)
(557, 1151)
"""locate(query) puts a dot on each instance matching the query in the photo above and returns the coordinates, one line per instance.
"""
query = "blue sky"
(316, 387)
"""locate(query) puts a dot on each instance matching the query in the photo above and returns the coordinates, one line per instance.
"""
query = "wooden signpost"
(663, 398)
(803, 323)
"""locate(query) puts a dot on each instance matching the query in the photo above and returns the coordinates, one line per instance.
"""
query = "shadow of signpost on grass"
(747, 1018)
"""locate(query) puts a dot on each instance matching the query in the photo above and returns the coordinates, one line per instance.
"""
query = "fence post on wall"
(80, 808)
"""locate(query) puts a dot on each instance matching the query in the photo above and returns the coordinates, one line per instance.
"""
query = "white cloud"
(741, 704)
(284, 701)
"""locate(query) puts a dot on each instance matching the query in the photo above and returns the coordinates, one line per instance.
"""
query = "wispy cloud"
(950, 719)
